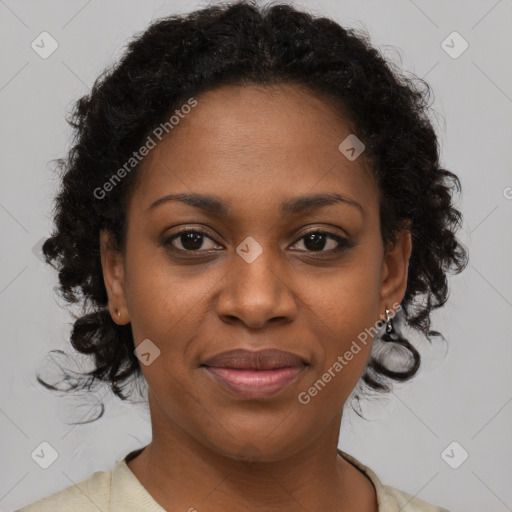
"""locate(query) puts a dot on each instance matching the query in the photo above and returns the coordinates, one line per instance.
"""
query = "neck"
(182, 473)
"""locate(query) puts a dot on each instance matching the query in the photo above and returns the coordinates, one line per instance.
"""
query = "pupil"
(192, 241)
(317, 239)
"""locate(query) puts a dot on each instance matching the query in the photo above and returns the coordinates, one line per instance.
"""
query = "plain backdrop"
(463, 393)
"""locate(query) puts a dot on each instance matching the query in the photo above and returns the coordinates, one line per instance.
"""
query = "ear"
(113, 277)
(395, 270)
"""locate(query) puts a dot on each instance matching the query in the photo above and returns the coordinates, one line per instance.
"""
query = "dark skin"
(252, 147)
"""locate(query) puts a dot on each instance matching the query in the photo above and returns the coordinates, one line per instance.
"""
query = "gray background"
(462, 394)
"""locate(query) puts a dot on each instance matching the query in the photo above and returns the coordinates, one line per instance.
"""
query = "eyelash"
(343, 242)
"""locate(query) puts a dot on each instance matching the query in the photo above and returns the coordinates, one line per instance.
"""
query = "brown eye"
(195, 241)
(190, 240)
(317, 241)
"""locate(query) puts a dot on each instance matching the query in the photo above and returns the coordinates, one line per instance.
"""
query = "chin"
(258, 448)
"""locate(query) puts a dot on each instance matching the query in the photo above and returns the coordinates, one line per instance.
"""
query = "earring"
(118, 313)
(389, 322)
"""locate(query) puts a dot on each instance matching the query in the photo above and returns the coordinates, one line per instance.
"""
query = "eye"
(190, 240)
(316, 241)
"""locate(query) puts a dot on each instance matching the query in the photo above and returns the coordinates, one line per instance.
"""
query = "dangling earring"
(389, 322)
(390, 334)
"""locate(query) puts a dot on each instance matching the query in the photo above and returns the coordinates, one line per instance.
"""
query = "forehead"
(255, 141)
(255, 116)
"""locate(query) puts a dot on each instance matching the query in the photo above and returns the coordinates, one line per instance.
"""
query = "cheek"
(163, 303)
(349, 299)
(346, 313)
(345, 348)
(162, 297)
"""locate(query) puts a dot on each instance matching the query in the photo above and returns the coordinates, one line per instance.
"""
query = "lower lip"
(255, 383)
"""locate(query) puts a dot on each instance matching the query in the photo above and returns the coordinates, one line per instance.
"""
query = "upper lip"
(268, 359)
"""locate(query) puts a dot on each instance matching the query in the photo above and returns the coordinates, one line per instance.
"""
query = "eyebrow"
(295, 206)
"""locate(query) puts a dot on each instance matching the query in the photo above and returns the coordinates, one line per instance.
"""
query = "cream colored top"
(121, 491)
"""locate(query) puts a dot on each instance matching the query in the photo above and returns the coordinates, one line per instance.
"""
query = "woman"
(254, 210)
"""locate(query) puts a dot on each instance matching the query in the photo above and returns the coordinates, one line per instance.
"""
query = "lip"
(254, 375)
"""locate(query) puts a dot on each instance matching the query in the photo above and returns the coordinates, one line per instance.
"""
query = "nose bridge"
(256, 289)
(256, 265)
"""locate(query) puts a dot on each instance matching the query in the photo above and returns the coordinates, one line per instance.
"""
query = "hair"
(243, 43)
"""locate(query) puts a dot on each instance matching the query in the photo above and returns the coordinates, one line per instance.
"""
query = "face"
(257, 271)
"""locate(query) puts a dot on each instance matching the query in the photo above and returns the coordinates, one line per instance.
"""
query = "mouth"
(255, 375)
(253, 384)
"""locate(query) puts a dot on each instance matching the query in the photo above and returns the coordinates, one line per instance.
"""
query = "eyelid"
(324, 231)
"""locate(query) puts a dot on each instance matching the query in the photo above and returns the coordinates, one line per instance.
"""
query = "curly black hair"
(237, 43)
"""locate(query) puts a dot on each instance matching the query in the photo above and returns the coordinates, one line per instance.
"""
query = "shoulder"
(390, 499)
(92, 495)
(406, 502)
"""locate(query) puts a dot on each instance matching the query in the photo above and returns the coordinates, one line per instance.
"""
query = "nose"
(256, 293)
